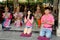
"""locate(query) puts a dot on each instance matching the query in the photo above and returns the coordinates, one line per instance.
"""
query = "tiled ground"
(14, 35)
(9, 35)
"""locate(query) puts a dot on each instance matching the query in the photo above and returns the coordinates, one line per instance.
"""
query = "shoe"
(23, 35)
(40, 38)
(29, 35)
(45, 38)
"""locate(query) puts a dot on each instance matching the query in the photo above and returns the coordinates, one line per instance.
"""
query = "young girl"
(47, 22)
(7, 18)
(28, 20)
(18, 17)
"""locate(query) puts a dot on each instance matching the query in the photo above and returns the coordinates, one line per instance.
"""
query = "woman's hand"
(31, 21)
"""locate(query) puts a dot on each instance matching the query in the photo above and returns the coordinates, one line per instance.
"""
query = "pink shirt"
(47, 18)
(28, 23)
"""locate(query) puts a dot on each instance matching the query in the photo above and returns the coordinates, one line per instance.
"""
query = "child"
(7, 18)
(28, 20)
(18, 17)
(47, 21)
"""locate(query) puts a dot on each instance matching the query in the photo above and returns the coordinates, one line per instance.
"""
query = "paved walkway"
(8, 35)
(14, 35)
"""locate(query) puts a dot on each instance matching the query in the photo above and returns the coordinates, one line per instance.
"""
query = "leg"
(42, 32)
(48, 33)
(8, 25)
(29, 30)
(3, 24)
(24, 33)
(9, 22)
(25, 30)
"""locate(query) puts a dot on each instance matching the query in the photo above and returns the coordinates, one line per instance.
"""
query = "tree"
(55, 13)
(55, 8)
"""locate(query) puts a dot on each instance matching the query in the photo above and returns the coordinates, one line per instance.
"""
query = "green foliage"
(2, 2)
(32, 4)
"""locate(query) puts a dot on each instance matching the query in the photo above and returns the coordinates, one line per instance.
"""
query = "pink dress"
(7, 19)
(47, 18)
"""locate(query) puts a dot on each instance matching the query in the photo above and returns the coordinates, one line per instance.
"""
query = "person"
(28, 20)
(47, 23)
(24, 13)
(25, 10)
(7, 19)
(38, 15)
(18, 17)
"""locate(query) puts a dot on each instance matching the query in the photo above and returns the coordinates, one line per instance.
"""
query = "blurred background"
(12, 4)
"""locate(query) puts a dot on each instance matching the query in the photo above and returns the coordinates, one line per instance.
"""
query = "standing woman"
(47, 21)
(28, 20)
(25, 12)
(38, 15)
(7, 19)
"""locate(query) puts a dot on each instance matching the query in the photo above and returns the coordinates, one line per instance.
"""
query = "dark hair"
(47, 8)
(31, 15)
